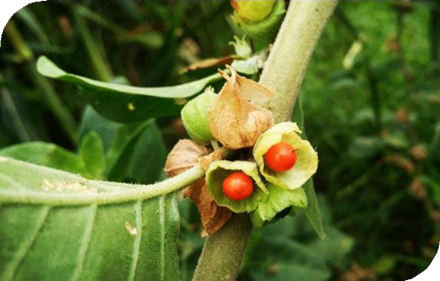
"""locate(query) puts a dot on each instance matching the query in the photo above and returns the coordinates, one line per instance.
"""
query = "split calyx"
(260, 168)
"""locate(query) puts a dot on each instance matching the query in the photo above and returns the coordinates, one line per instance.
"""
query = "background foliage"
(370, 99)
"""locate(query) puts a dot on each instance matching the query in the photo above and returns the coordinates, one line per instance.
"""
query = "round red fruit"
(281, 157)
(238, 186)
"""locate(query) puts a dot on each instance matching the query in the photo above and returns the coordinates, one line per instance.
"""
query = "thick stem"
(223, 252)
(286, 67)
(284, 73)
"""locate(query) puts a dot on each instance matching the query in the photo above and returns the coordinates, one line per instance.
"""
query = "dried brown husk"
(184, 155)
(213, 216)
(233, 119)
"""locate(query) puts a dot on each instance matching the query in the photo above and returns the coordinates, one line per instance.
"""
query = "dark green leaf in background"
(128, 104)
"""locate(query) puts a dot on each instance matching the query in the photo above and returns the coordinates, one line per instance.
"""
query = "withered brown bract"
(233, 119)
(184, 155)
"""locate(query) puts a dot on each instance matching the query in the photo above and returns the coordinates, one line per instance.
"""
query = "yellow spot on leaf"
(131, 106)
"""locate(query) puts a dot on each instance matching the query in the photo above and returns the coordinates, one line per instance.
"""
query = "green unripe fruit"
(252, 10)
(266, 29)
(195, 117)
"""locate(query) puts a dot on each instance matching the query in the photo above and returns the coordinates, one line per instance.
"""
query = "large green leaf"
(312, 210)
(124, 103)
(59, 226)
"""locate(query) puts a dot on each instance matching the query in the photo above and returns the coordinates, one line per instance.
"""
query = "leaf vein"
(137, 241)
(162, 232)
(27, 244)
(85, 243)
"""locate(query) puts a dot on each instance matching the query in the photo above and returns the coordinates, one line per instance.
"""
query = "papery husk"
(307, 158)
(212, 216)
(184, 155)
(234, 121)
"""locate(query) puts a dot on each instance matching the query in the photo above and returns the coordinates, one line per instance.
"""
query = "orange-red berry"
(238, 186)
(281, 157)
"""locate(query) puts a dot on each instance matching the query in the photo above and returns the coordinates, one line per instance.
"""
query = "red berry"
(281, 157)
(238, 186)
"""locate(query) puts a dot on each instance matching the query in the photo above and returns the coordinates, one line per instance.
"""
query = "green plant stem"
(286, 67)
(223, 252)
(55, 104)
(284, 73)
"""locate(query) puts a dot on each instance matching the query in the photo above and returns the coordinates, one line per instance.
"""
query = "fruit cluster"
(271, 164)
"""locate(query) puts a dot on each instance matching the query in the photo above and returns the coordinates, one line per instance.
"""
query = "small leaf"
(127, 104)
(248, 67)
(277, 200)
(217, 173)
(305, 166)
(234, 121)
(92, 151)
(119, 140)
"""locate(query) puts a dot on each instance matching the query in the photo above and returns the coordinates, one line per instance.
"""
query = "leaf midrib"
(107, 195)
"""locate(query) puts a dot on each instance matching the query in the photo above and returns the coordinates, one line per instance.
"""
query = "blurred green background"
(371, 99)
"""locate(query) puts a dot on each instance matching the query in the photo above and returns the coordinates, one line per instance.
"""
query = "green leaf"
(128, 104)
(58, 225)
(277, 200)
(284, 259)
(149, 156)
(218, 171)
(49, 155)
(29, 18)
(312, 210)
(120, 141)
(92, 151)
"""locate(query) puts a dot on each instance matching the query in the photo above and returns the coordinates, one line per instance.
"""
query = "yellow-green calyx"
(307, 162)
(218, 171)
(195, 119)
(251, 10)
(266, 29)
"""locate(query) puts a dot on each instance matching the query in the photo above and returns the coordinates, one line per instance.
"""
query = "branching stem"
(284, 73)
